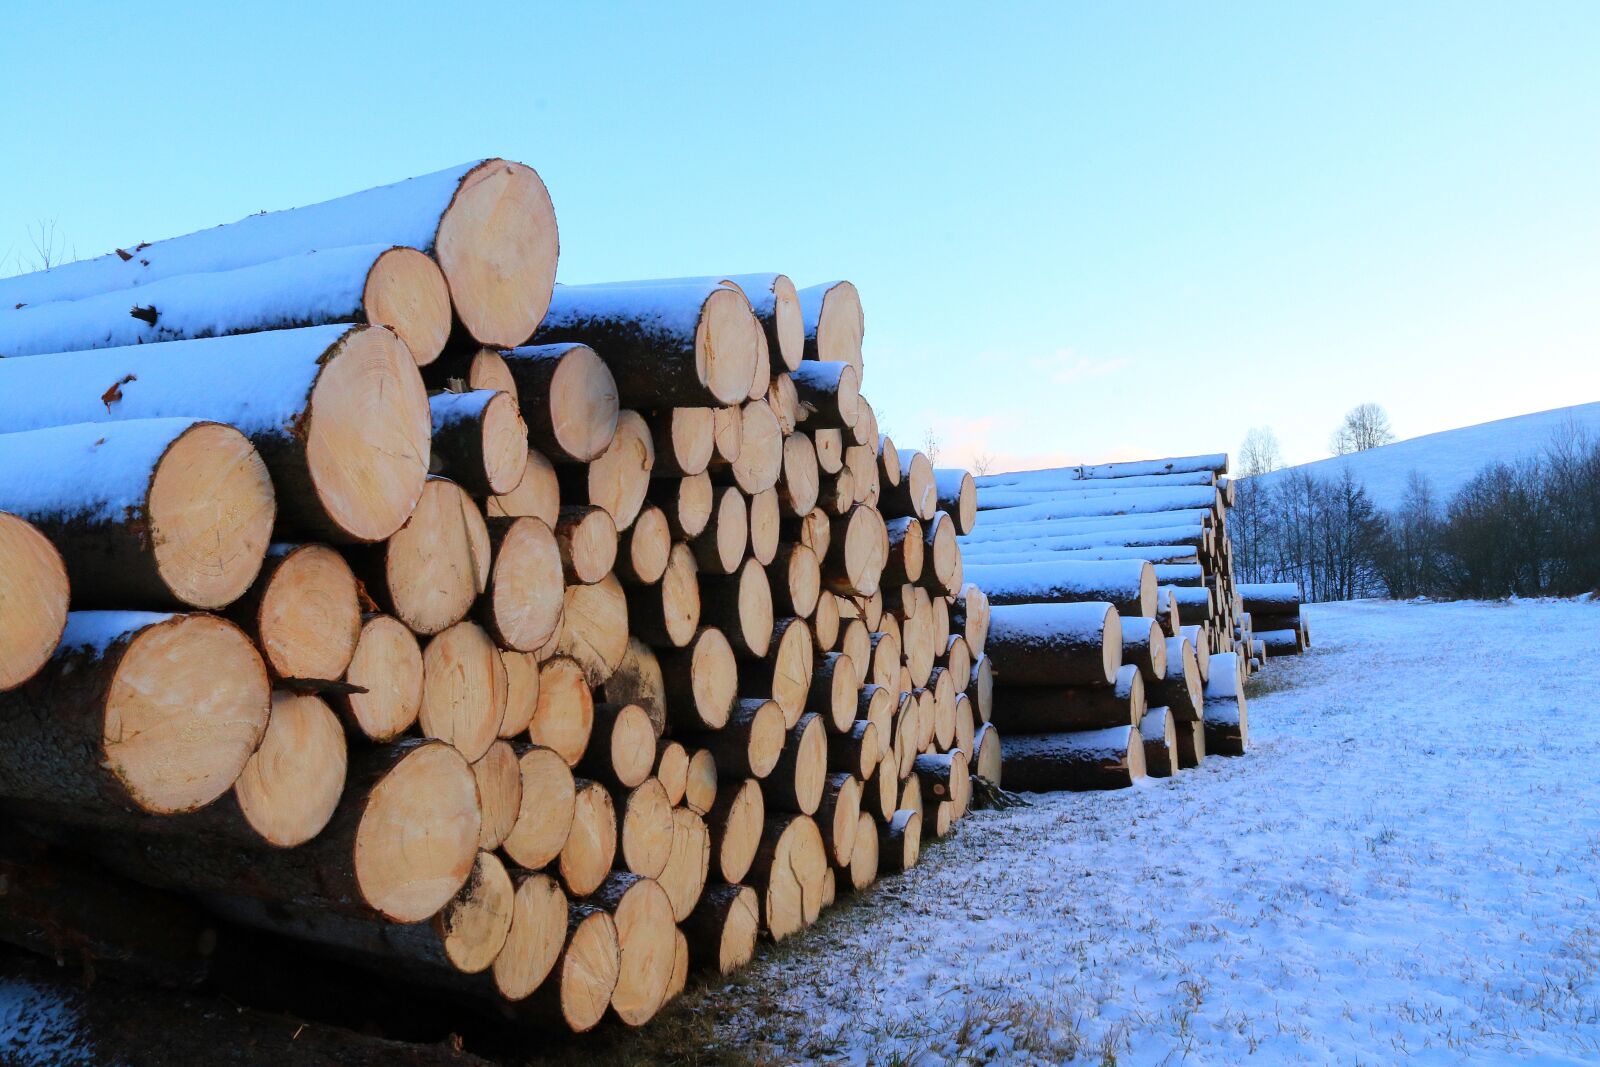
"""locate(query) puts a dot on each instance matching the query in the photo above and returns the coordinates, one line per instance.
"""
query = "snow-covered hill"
(1451, 457)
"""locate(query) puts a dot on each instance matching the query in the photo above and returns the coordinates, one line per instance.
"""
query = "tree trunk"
(1053, 709)
(1127, 585)
(1056, 644)
(387, 669)
(568, 399)
(701, 683)
(479, 440)
(722, 929)
(831, 313)
(1092, 759)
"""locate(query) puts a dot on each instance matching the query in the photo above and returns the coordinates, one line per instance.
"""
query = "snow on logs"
(337, 413)
(489, 225)
(553, 655)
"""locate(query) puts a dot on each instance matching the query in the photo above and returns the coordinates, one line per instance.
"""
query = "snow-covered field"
(1405, 868)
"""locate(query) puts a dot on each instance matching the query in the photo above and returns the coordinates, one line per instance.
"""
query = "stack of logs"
(1113, 631)
(1270, 622)
(535, 643)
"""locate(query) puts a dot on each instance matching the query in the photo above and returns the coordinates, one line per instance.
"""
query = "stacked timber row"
(1115, 620)
(1271, 622)
(534, 643)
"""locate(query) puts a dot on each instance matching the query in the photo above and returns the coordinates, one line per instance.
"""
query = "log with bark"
(1111, 758)
(36, 592)
(1128, 585)
(1054, 709)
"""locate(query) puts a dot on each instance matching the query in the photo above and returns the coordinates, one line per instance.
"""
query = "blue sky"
(1081, 231)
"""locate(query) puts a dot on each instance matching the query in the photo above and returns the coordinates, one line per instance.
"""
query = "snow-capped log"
(830, 394)
(833, 323)
(36, 593)
(666, 346)
(1054, 709)
(722, 929)
(1227, 721)
(1069, 478)
(1215, 462)
(479, 441)
(983, 552)
(788, 872)
(944, 569)
(1145, 646)
(1128, 585)
(489, 224)
(1187, 574)
(958, 495)
(429, 573)
(568, 399)
(646, 933)
(773, 299)
(1191, 751)
(1187, 526)
(1033, 507)
(156, 513)
(905, 551)
(379, 285)
(916, 492)
(1281, 642)
(338, 413)
(1199, 638)
(1112, 758)
(135, 713)
(1269, 598)
(1055, 644)
(1160, 735)
(1181, 689)
(944, 778)
(1194, 605)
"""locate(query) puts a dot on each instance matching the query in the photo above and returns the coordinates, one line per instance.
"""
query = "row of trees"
(1526, 528)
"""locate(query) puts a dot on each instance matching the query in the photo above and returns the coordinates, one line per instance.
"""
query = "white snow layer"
(90, 471)
(1450, 458)
(202, 379)
(1018, 506)
(1055, 577)
(1285, 593)
(668, 313)
(1067, 479)
(1027, 551)
(97, 630)
(302, 290)
(1035, 623)
(1405, 868)
(405, 213)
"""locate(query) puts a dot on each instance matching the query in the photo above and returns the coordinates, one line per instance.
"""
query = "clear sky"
(1081, 230)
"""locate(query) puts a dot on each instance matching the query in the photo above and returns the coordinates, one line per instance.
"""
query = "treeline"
(1529, 528)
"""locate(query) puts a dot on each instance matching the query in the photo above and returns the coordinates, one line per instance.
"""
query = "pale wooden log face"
(595, 627)
(672, 771)
(434, 564)
(583, 404)
(760, 461)
(864, 855)
(526, 590)
(497, 246)
(537, 932)
(646, 931)
(727, 434)
(522, 691)
(590, 970)
(211, 514)
(309, 618)
(463, 689)
(767, 735)
(840, 831)
(647, 829)
(418, 837)
(592, 843)
(792, 898)
(537, 495)
(406, 292)
(715, 681)
(801, 478)
(33, 600)
(689, 862)
(632, 745)
(765, 517)
(649, 545)
(505, 444)
(726, 344)
(564, 715)
(986, 742)
(545, 817)
(291, 784)
(367, 435)
(388, 665)
(700, 787)
(792, 663)
(790, 323)
(187, 708)
(619, 478)
(739, 835)
(474, 926)
(839, 326)
(499, 781)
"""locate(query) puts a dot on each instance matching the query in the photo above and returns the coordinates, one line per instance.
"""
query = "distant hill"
(1451, 457)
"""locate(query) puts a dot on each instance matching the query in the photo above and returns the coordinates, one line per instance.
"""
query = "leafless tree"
(982, 463)
(1259, 454)
(930, 445)
(1365, 426)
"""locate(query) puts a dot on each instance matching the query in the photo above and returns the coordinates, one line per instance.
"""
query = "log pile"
(535, 643)
(1270, 621)
(1119, 639)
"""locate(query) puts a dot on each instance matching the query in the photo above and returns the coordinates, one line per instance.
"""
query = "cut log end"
(406, 291)
(388, 665)
(464, 689)
(499, 779)
(497, 247)
(308, 616)
(34, 593)
(535, 937)
(290, 786)
(474, 926)
(544, 818)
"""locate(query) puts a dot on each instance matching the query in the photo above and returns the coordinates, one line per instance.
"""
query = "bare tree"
(1259, 454)
(930, 445)
(982, 463)
(1365, 426)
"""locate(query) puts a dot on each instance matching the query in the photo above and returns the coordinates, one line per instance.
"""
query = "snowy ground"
(1406, 867)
